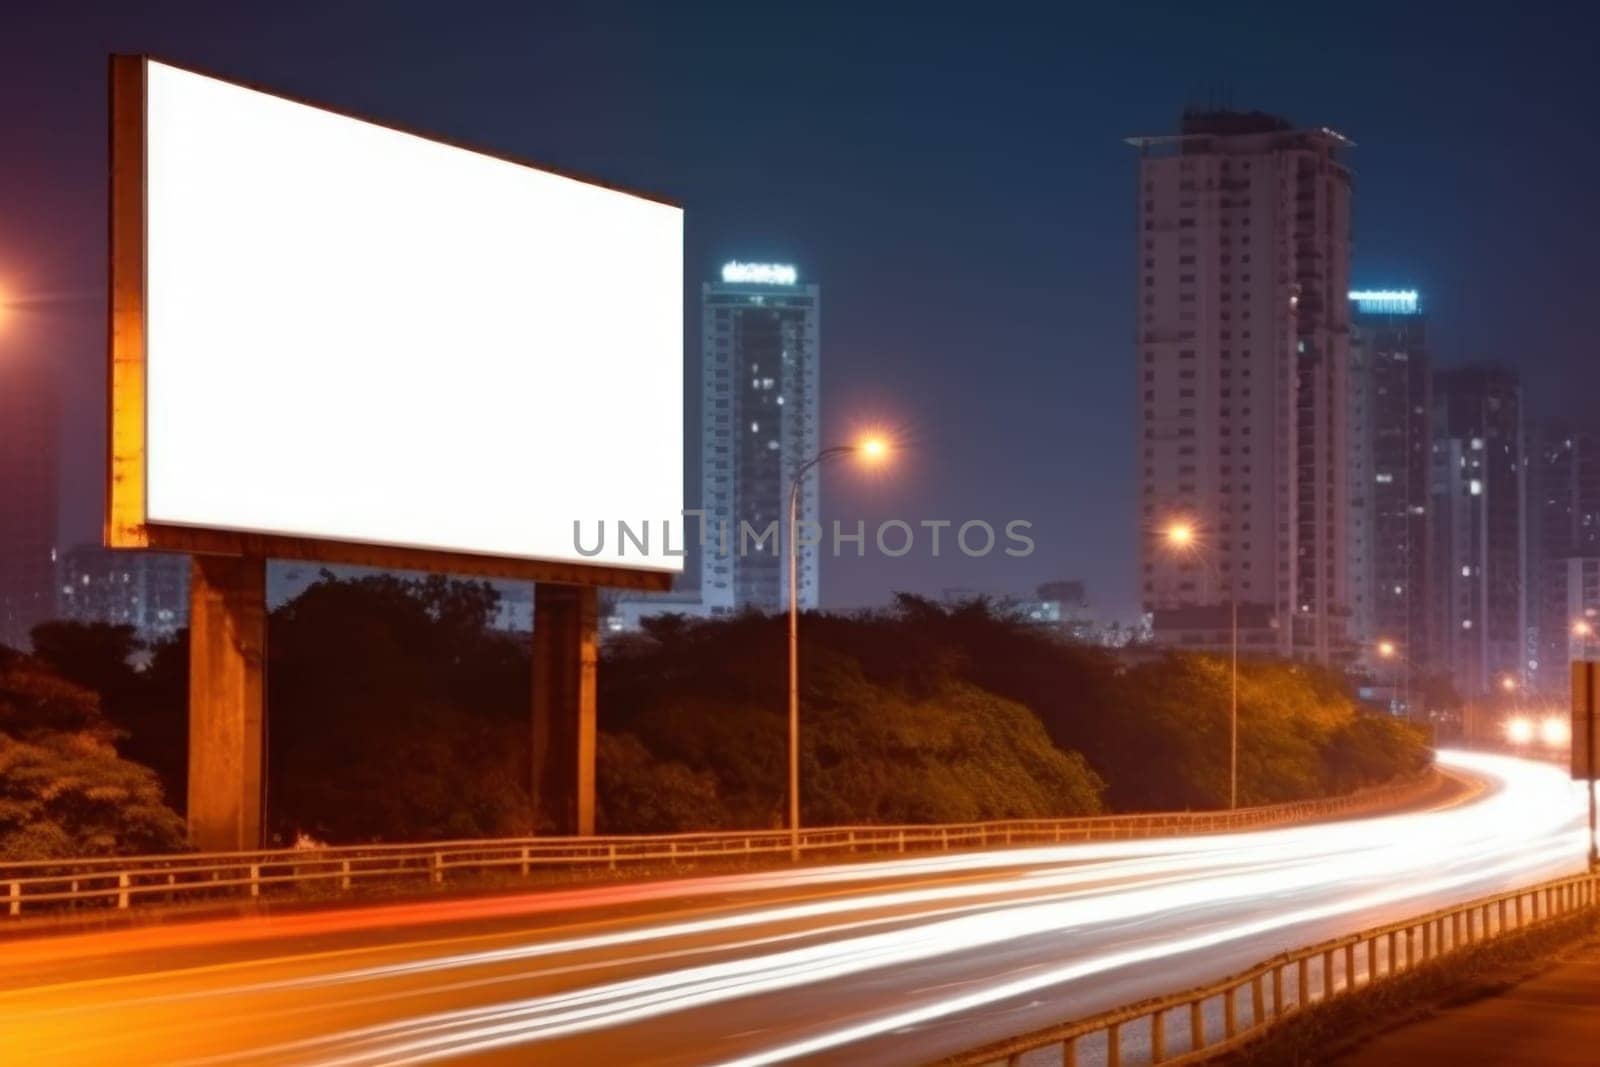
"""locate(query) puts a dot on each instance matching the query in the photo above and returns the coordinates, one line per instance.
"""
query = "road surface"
(892, 962)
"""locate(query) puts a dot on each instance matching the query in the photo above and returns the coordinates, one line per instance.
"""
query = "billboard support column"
(227, 681)
(1585, 698)
(566, 636)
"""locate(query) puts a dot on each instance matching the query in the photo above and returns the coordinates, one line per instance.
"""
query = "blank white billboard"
(358, 334)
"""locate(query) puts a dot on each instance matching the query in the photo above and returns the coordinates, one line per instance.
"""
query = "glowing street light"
(1181, 539)
(1180, 535)
(1555, 731)
(1508, 683)
(1583, 630)
(1389, 650)
(872, 449)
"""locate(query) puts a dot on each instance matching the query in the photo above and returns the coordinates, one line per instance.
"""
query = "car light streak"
(1397, 847)
(992, 926)
(452, 1034)
(994, 994)
(872, 903)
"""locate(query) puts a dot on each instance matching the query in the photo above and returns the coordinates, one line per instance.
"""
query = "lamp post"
(1584, 630)
(1389, 650)
(871, 449)
(1181, 538)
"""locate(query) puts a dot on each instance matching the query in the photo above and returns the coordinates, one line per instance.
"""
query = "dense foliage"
(947, 707)
(64, 791)
(710, 698)
(398, 713)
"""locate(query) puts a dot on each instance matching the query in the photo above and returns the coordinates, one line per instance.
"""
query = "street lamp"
(1583, 629)
(1519, 730)
(1181, 538)
(873, 450)
(1389, 650)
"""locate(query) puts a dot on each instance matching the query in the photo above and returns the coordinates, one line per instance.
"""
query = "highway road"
(900, 961)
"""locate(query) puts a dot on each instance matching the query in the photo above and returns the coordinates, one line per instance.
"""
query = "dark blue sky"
(956, 183)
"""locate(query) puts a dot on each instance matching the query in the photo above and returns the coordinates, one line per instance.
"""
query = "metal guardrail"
(1173, 1029)
(121, 882)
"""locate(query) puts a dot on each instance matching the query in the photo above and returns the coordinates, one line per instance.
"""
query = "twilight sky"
(955, 182)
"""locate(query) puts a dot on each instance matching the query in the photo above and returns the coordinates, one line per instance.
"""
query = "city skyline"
(458, 602)
(1022, 388)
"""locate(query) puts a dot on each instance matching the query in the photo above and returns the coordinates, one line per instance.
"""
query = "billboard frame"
(126, 525)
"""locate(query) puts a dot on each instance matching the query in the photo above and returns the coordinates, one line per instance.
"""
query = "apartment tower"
(1243, 239)
(1479, 494)
(1390, 456)
(761, 335)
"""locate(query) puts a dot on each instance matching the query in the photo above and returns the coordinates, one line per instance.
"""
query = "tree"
(640, 794)
(64, 791)
(958, 753)
(890, 730)
(96, 655)
(397, 713)
(148, 705)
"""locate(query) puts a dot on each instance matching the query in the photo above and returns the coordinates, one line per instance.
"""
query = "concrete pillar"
(566, 635)
(227, 682)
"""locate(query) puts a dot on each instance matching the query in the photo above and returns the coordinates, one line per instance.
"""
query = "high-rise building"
(1479, 610)
(146, 590)
(761, 334)
(1243, 254)
(1564, 545)
(1390, 456)
(28, 461)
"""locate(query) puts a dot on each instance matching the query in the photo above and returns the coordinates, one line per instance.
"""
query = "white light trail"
(1524, 828)
(903, 943)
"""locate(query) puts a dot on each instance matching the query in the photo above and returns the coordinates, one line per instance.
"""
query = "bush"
(69, 794)
(639, 794)
(397, 714)
(879, 744)
(64, 791)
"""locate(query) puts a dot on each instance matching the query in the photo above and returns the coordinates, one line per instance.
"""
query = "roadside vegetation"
(399, 713)
(64, 790)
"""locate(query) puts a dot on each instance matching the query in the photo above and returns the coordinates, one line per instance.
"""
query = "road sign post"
(1585, 674)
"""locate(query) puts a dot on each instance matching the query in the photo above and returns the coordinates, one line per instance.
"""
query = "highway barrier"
(1211, 1020)
(120, 882)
